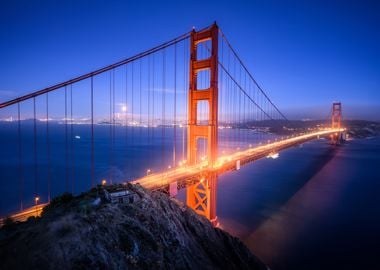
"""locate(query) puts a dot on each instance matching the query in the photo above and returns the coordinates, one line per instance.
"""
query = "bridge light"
(36, 199)
(104, 182)
(148, 171)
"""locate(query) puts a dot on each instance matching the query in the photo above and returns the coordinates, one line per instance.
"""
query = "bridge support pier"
(202, 196)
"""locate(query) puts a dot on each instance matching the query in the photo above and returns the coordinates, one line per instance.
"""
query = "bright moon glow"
(124, 108)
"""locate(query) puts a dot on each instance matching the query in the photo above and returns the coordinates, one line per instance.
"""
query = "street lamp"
(36, 199)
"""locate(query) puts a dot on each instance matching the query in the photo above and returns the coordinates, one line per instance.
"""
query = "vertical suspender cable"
(244, 111)
(35, 147)
(185, 87)
(71, 139)
(126, 104)
(149, 100)
(126, 116)
(132, 113)
(140, 99)
(92, 135)
(233, 105)
(239, 111)
(163, 108)
(66, 146)
(153, 90)
(228, 109)
(162, 116)
(110, 129)
(221, 92)
(150, 116)
(48, 147)
(175, 105)
(20, 168)
(113, 126)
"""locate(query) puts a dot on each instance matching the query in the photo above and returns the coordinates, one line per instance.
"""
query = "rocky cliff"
(152, 232)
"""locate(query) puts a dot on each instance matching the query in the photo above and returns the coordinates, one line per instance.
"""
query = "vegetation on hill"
(153, 232)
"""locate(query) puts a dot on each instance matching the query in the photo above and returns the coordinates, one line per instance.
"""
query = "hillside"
(153, 232)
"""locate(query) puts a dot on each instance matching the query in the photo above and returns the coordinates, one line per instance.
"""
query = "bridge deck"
(26, 213)
(189, 174)
(185, 175)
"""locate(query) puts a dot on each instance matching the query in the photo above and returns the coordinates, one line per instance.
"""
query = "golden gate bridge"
(175, 116)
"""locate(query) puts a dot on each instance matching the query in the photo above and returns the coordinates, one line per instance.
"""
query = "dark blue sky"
(306, 54)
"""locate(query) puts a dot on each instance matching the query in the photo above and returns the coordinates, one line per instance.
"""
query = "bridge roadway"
(186, 175)
(26, 213)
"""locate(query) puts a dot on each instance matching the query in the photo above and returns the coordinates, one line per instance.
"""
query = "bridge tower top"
(210, 95)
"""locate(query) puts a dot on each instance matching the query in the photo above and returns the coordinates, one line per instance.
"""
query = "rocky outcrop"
(153, 232)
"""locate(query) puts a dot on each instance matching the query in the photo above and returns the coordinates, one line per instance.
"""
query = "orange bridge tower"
(336, 118)
(202, 196)
(336, 115)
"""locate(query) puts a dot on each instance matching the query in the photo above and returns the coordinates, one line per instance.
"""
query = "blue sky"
(305, 54)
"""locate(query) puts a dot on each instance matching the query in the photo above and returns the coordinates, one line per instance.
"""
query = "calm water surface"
(315, 207)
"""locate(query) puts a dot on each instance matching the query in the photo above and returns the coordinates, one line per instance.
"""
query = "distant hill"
(355, 128)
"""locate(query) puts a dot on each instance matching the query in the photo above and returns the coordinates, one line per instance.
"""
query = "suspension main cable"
(250, 75)
(237, 84)
(241, 89)
(96, 72)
